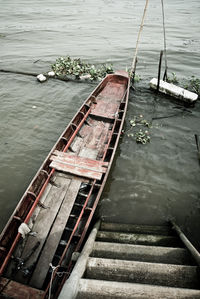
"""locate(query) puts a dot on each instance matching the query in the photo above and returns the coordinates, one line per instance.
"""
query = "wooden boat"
(48, 226)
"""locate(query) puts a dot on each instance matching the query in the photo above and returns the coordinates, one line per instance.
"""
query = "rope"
(51, 281)
(132, 72)
(165, 44)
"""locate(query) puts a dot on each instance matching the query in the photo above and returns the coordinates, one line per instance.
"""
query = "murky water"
(148, 183)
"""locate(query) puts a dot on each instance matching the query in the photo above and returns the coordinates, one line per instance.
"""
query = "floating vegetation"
(173, 79)
(193, 85)
(137, 77)
(142, 135)
(138, 120)
(67, 66)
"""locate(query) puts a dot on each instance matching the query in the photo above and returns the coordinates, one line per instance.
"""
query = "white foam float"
(51, 74)
(41, 78)
(174, 91)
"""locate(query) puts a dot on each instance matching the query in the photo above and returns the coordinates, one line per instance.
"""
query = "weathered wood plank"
(88, 152)
(76, 170)
(72, 177)
(78, 161)
(38, 207)
(53, 239)
(105, 109)
(103, 141)
(77, 143)
(13, 289)
(112, 92)
(44, 222)
(93, 137)
(80, 145)
(19, 249)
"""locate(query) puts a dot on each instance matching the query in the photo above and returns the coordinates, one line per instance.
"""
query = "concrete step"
(137, 229)
(140, 239)
(153, 254)
(100, 289)
(142, 272)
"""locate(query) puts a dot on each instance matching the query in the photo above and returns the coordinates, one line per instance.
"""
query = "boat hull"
(60, 202)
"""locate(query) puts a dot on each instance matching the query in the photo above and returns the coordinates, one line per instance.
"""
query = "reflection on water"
(148, 183)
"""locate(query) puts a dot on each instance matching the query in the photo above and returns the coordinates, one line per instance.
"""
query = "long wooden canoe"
(50, 222)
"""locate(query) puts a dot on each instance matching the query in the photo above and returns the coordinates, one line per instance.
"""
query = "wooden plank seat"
(113, 91)
(77, 165)
(105, 109)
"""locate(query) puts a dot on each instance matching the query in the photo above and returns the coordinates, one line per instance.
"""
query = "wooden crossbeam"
(77, 165)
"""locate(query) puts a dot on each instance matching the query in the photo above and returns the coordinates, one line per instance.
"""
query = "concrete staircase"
(131, 261)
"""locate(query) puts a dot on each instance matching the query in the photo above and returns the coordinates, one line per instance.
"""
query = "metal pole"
(159, 70)
(188, 244)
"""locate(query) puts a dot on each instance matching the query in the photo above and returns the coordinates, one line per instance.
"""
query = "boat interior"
(59, 204)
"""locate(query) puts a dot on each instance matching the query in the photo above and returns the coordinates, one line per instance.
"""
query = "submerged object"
(60, 201)
(85, 77)
(174, 91)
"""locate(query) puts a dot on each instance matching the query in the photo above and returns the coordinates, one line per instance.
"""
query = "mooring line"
(66, 79)
(18, 72)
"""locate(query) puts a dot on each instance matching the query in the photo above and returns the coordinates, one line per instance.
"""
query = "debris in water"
(193, 84)
(141, 136)
(51, 74)
(85, 77)
(41, 78)
(174, 91)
